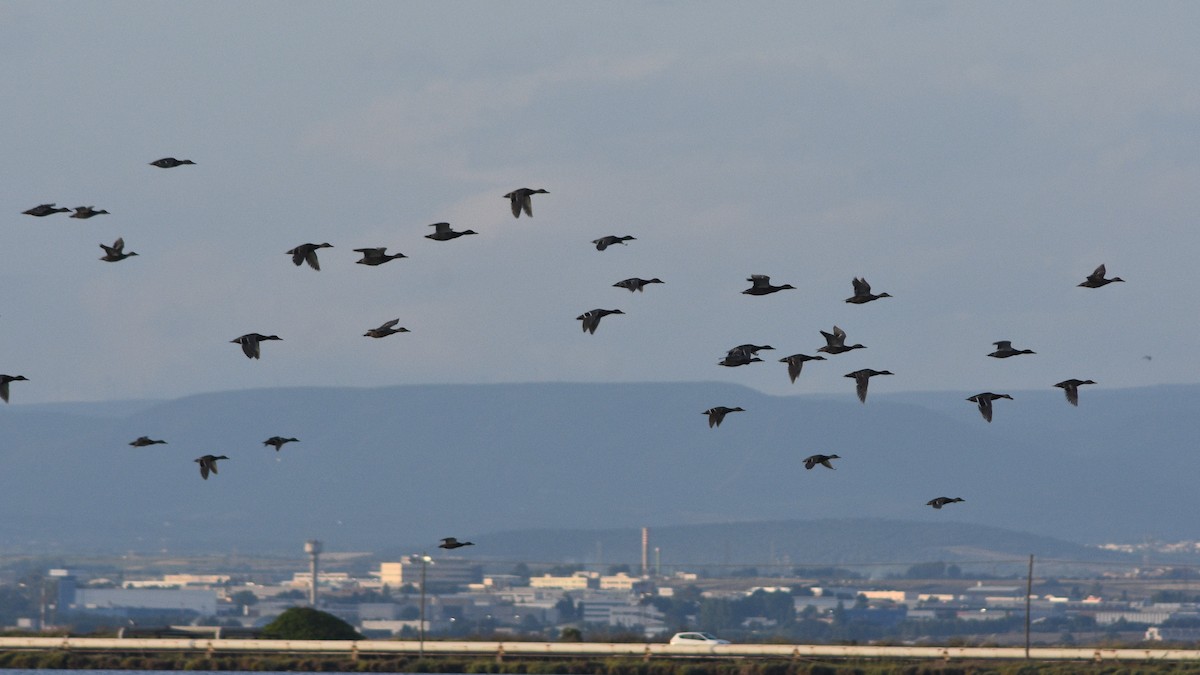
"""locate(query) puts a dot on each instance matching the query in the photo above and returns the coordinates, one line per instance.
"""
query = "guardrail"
(569, 649)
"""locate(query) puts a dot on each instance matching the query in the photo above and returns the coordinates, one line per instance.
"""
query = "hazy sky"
(975, 160)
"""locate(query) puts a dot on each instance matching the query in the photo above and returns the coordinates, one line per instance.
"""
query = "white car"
(696, 638)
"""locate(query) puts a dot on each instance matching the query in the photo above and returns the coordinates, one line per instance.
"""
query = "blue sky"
(975, 160)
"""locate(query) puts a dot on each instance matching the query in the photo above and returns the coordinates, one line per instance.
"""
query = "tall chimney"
(313, 548)
(645, 552)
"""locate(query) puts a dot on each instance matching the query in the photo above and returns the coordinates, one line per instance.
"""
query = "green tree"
(243, 598)
(306, 623)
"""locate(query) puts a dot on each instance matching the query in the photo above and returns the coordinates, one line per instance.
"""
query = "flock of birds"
(521, 202)
(835, 343)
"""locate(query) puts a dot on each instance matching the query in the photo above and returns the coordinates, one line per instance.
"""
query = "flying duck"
(761, 285)
(636, 284)
(208, 463)
(823, 460)
(835, 342)
(749, 349)
(861, 377)
(170, 162)
(4, 380)
(376, 256)
(796, 362)
(1071, 389)
(442, 232)
(717, 414)
(1004, 349)
(942, 501)
(388, 328)
(737, 358)
(591, 319)
(522, 200)
(250, 343)
(115, 252)
(984, 401)
(278, 442)
(862, 293)
(307, 253)
(143, 441)
(85, 212)
(452, 543)
(42, 210)
(604, 242)
(1096, 279)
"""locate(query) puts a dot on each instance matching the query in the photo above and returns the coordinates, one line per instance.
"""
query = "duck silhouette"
(1071, 389)
(862, 293)
(388, 328)
(796, 364)
(636, 284)
(85, 212)
(862, 377)
(43, 210)
(604, 242)
(208, 463)
(116, 252)
(307, 253)
(522, 200)
(278, 442)
(442, 232)
(591, 318)
(835, 342)
(376, 256)
(452, 543)
(1004, 350)
(144, 441)
(942, 501)
(4, 380)
(250, 343)
(717, 415)
(170, 162)
(984, 401)
(761, 285)
(823, 460)
(1096, 279)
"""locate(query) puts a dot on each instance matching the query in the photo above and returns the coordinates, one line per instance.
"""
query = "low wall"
(592, 649)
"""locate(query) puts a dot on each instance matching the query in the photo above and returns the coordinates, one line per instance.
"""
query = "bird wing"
(825, 463)
(250, 346)
(760, 280)
(204, 469)
(1099, 273)
(527, 203)
(311, 258)
(1003, 345)
(515, 201)
(794, 366)
(985, 407)
(860, 380)
(1072, 391)
(861, 287)
(4, 390)
(389, 324)
(439, 228)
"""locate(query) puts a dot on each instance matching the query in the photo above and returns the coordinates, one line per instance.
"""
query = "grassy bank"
(579, 666)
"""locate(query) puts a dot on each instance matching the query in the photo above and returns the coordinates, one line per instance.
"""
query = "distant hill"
(403, 466)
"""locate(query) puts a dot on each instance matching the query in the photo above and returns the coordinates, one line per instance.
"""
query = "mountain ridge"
(413, 462)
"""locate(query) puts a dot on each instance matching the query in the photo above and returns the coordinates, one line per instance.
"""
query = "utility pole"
(424, 560)
(1028, 594)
